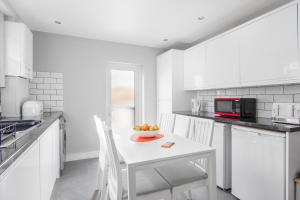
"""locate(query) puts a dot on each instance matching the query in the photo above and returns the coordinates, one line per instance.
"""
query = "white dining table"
(146, 155)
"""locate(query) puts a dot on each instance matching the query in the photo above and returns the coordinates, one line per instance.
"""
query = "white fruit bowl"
(145, 133)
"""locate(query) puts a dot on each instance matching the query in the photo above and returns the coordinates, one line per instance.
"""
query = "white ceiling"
(140, 22)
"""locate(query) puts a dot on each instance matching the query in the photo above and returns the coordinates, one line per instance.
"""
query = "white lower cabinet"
(258, 164)
(222, 143)
(22, 181)
(49, 159)
(33, 174)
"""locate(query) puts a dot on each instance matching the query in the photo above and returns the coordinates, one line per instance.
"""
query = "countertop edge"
(32, 137)
(282, 128)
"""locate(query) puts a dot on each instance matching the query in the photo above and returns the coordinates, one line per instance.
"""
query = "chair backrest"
(201, 130)
(101, 138)
(166, 123)
(182, 125)
(114, 180)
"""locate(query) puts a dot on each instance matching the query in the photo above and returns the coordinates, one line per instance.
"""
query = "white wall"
(83, 62)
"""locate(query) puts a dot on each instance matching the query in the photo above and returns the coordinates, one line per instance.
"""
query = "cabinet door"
(194, 66)
(260, 174)
(222, 61)
(46, 164)
(218, 142)
(2, 52)
(164, 76)
(269, 49)
(56, 155)
(22, 178)
(27, 53)
(49, 159)
(13, 40)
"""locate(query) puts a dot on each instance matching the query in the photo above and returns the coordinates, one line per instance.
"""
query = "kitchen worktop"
(12, 152)
(260, 123)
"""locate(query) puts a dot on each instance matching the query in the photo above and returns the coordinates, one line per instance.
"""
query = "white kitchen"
(148, 100)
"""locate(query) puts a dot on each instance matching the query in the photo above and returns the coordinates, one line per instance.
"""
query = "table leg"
(131, 182)
(212, 187)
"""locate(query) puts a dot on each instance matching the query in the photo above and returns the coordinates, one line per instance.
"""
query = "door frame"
(138, 87)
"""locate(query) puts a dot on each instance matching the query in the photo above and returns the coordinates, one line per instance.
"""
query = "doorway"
(124, 95)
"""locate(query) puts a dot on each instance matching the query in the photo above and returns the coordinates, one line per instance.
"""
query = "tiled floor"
(79, 180)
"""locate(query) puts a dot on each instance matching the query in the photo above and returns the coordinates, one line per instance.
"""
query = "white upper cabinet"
(269, 49)
(2, 57)
(222, 61)
(170, 92)
(18, 49)
(263, 51)
(194, 66)
(164, 76)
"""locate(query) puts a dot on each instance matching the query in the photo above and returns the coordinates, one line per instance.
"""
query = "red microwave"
(236, 107)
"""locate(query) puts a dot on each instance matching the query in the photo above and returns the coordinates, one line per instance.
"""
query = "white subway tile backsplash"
(32, 97)
(268, 106)
(257, 90)
(57, 86)
(265, 96)
(49, 80)
(59, 91)
(221, 92)
(231, 92)
(243, 91)
(60, 103)
(291, 89)
(37, 80)
(43, 74)
(32, 85)
(274, 90)
(57, 97)
(49, 91)
(264, 113)
(57, 108)
(43, 86)
(59, 80)
(43, 97)
(297, 98)
(260, 106)
(48, 88)
(36, 91)
(283, 98)
(57, 75)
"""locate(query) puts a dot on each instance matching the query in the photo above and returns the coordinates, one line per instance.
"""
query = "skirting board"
(82, 156)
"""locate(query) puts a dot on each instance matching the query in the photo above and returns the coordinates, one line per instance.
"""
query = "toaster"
(288, 113)
(32, 110)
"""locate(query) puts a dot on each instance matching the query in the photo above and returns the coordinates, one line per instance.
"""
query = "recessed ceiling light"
(166, 40)
(201, 18)
(57, 22)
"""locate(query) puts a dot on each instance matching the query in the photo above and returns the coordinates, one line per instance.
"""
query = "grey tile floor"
(79, 182)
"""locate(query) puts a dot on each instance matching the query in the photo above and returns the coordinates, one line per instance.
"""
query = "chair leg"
(99, 181)
(189, 194)
(104, 194)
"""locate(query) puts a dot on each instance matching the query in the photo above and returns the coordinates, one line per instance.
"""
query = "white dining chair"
(182, 125)
(185, 176)
(201, 131)
(102, 164)
(149, 184)
(166, 123)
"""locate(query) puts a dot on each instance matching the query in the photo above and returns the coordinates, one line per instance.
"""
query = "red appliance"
(235, 107)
